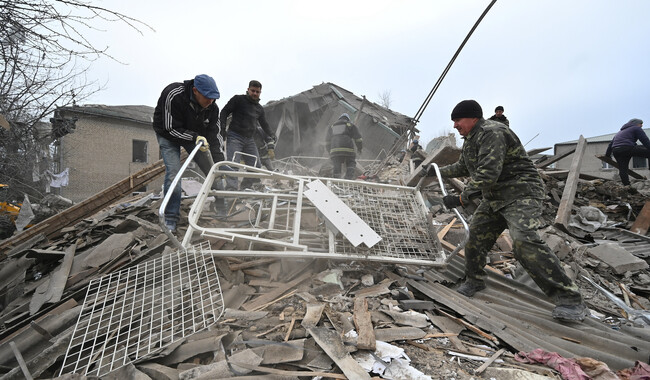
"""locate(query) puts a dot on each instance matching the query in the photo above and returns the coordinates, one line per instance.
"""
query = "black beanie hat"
(499, 108)
(467, 108)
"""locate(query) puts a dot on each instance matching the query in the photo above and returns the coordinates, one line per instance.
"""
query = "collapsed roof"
(302, 121)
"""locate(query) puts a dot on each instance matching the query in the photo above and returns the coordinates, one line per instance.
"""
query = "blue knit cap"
(206, 86)
(345, 115)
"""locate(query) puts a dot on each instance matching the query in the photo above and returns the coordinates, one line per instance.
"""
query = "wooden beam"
(610, 161)
(535, 151)
(642, 221)
(553, 159)
(363, 323)
(51, 226)
(569, 194)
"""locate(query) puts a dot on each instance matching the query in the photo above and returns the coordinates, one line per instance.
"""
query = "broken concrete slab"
(283, 352)
(221, 369)
(51, 290)
(617, 257)
(109, 249)
(158, 371)
(193, 348)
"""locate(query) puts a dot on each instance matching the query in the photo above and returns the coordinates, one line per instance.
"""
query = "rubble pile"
(311, 318)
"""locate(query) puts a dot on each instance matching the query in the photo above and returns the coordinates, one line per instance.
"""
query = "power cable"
(424, 105)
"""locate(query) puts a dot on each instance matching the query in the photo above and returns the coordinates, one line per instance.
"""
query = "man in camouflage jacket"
(512, 192)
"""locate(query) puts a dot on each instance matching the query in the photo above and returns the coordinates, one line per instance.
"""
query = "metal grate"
(280, 221)
(134, 313)
(396, 215)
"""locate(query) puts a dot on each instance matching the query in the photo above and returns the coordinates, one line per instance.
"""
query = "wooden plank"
(642, 222)
(569, 194)
(535, 151)
(252, 263)
(445, 155)
(392, 334)
(610, 161)
(21, 361)
(494, 357)
(285, 373)
(331, 343)
(445, 229)
(554, 159)
(363, 323)
(275, 293)
(52, 225)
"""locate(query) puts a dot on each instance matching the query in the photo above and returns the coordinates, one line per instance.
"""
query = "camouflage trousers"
(523, 219)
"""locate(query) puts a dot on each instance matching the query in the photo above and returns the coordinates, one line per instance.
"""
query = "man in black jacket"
(246, 113)
(499, 116)
(186, 115)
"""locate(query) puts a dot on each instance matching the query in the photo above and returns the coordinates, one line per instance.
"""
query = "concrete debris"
(310, 318)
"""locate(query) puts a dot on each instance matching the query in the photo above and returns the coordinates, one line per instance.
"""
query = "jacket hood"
(632, 123)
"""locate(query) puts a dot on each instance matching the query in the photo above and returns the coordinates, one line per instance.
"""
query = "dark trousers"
(171, 155)
(350, 163)
(623, 154)
(522, 218)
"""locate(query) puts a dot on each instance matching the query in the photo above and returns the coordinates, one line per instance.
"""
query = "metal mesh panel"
(136, 312)
(278, 220)
(395, 215)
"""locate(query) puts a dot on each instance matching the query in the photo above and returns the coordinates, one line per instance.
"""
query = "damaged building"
(315, 277)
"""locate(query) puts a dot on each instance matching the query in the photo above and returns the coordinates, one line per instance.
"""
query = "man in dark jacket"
(246, 113)
(512, 192)
(624, 146)
(340, 140)
(499, 116)
(186, 114)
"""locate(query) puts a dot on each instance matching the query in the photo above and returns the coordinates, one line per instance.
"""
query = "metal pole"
(168, 195)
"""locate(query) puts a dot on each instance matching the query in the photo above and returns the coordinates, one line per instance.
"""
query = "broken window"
(139, 151)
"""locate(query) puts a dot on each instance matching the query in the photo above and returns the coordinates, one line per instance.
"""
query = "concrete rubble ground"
(317, 318)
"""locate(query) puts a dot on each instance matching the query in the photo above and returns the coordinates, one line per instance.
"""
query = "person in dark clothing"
(624, 146)
(340, 140)
(416, 152)
(265, 147)
(186, 114)
(512, 193)
(246, 113)
(499, 116)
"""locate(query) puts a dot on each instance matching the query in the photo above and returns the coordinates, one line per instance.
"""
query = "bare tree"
(45, 58)
(384, 99)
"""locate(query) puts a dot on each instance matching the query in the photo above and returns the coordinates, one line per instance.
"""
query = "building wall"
(592, 165)
(99, 154)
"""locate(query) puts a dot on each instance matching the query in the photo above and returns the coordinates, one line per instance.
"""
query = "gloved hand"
(271, 154)
(205, 147)
(451, 201)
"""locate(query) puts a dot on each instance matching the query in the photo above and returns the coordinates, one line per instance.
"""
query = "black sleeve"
(225, 112)
(265, 125)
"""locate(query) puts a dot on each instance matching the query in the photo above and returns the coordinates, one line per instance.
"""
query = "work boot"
(570, 313)
(171, 225)
(470, 287)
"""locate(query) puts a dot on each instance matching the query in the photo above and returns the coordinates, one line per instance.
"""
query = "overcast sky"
(560, 68)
